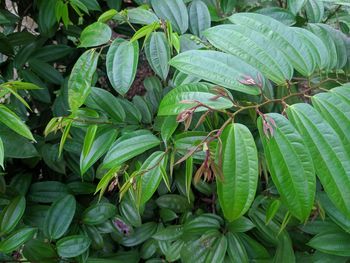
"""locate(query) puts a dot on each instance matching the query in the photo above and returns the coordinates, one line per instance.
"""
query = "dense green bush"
(175, 131)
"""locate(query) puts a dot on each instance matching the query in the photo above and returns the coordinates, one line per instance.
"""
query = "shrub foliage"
(175, 131)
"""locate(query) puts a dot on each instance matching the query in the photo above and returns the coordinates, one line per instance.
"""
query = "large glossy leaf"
(282, 37)
(337, 113)
(39, 251)
(284, 251)
(2, 154)
(122, 59)
(103, 100)
(237, 189)
(331, 161)
(72, 246)
(59, 217)
(220, 68)
(47, 191)
(173, 10)
(101, 144)
(152, 178)
(337, 216)
(12, 214)
(129, 146)
(252, 47)
(235, 248)
(11, 120)
(141, 16)
(79, 84)
(314, 10)
(187, 96)
(16, 239)
(98, 213)
(295, 5)
(140, 234)
(334, 243)
(316, 47)
(338, 38)
(323, 34)
(193, 248)
(95, 34)
(199, 17)
(158, 54)
(282, 15)
(290, 165)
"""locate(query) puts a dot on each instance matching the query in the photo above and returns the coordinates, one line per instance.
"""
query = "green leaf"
(79, 84)
(177, 203)
(2, 154)
(106, 16)
(39, 251)
(145, 31)
(324, 144)
(282, 15)
(314, 11)
(11, 120)
(144, 108)
(254, 249)
(12, 214)
(202, 224)
(252, 47)
(169, 233)
(122, 60)
(140, 235)
(284, 251)
(188, 173)
(241, 224)
(16, 146)
(282, 37)
(338, 39)
(290, 164)
(187, 96)
(222, 69)
(98, 213)
(47, 191)
(130, 212)
(141, 16)
(218, 250)
(128, 146)
(89, 139)
(16, 239)
(105, 180)
(199, 17)
(336, 112)
(194, 248)
(323, 34)
(337, 216)
(103, 100)
(152, 177)
(316, 47)
(272, 210)
(15, 85)
(52, 53)
(295, 5)
(72, 246)
(334, 243)
(174, 11)
(235, 248)
(169, 126)
(237, 189)
(158, 54)
(95, 34)
(46, 71)
(59, 217)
